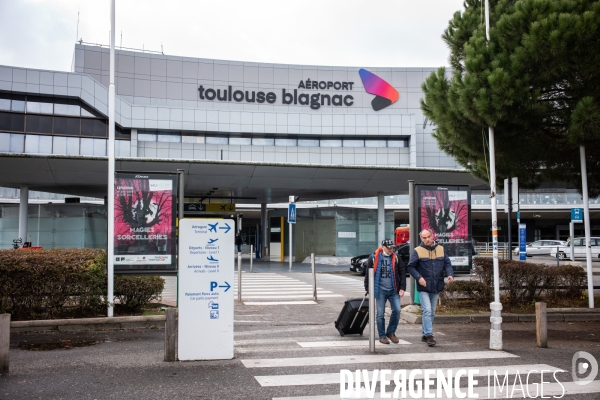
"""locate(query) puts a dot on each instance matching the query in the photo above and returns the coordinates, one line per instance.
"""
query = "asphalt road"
(300, 352)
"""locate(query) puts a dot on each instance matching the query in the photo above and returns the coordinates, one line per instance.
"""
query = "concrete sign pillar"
(206, 294)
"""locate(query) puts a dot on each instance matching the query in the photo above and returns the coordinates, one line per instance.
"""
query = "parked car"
(579, 248)
(359, 263)
(356, 263)
(541, 247)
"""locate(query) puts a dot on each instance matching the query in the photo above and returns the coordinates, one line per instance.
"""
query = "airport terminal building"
(244, 133)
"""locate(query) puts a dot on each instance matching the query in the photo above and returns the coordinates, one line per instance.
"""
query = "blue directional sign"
(522, 242)
(292, 213)
(214, 285)
(226, 227)
(576, 214)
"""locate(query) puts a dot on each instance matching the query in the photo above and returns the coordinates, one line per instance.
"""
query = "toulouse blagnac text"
(314, 100)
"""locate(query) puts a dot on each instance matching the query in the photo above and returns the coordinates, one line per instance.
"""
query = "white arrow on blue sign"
(292, 213)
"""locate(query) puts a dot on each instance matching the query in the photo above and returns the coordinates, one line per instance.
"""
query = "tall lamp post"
(111, 167)
(496, 306)
(586, 221)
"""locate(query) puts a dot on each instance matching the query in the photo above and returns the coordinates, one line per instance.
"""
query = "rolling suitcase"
(353, 317)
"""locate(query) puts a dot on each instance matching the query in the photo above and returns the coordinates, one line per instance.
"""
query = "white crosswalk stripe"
(343, 343)
(278, 303)
(370, 359)
(323, 379)
(556, 390)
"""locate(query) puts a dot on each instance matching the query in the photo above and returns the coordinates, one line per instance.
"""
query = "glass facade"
(56, 225)
(341, 232)
(174, 136)
(48, 115)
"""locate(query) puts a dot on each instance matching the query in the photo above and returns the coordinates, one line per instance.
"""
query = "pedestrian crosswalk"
(276, 289)
(314, 359)
(353, 286)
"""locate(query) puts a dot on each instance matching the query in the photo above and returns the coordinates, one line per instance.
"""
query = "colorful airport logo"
(385, 94)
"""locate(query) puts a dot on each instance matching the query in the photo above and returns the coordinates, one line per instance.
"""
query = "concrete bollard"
(240, 276)
(170, 335)
(541, 326)
(314, 276)
(370, 271)
(4, 342)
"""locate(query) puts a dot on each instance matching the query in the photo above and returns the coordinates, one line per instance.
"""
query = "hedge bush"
(135, 291)
(474, 290)
(58, 283)
(524, 282)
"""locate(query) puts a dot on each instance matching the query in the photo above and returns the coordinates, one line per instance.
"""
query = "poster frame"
(140, 268)
(468, 248)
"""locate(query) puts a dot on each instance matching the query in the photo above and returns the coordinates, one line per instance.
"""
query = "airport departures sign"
(206, 264)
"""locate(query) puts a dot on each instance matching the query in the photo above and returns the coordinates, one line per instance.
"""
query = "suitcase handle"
(359, 307)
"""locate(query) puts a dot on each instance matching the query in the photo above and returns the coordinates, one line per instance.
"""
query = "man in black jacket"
(389, 284)
(427, 265)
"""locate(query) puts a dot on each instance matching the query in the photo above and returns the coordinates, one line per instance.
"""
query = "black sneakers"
(423, 338)
(430, 341)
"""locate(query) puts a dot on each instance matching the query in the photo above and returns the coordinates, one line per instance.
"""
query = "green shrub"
(524, 282)
(573, 279)
(56, 283)
(40, 283)
(135, 291)
(466, 289)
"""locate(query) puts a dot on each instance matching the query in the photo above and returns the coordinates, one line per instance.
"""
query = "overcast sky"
(369, 33)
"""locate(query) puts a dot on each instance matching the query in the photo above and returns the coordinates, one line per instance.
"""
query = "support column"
(264, 217)
(133, 147)
(380, 218)
(24, 203)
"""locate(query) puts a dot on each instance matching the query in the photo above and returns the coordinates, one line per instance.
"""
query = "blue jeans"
(428, 304)
(394, 299)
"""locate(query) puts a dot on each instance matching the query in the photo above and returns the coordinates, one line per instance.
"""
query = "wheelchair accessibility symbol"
(214, 314)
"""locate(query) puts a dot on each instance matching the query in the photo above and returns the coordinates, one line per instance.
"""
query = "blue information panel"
(576, 214)
(292, 213)
(522, 242)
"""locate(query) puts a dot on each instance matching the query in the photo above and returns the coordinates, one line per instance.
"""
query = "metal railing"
(487, 249)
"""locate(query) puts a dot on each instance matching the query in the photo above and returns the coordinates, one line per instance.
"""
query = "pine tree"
(537, 82)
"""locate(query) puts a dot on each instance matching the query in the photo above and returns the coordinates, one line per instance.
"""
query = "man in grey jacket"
(427, 265)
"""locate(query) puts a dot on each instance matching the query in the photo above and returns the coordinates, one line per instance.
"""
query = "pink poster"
(144, 221)
(446, 212)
